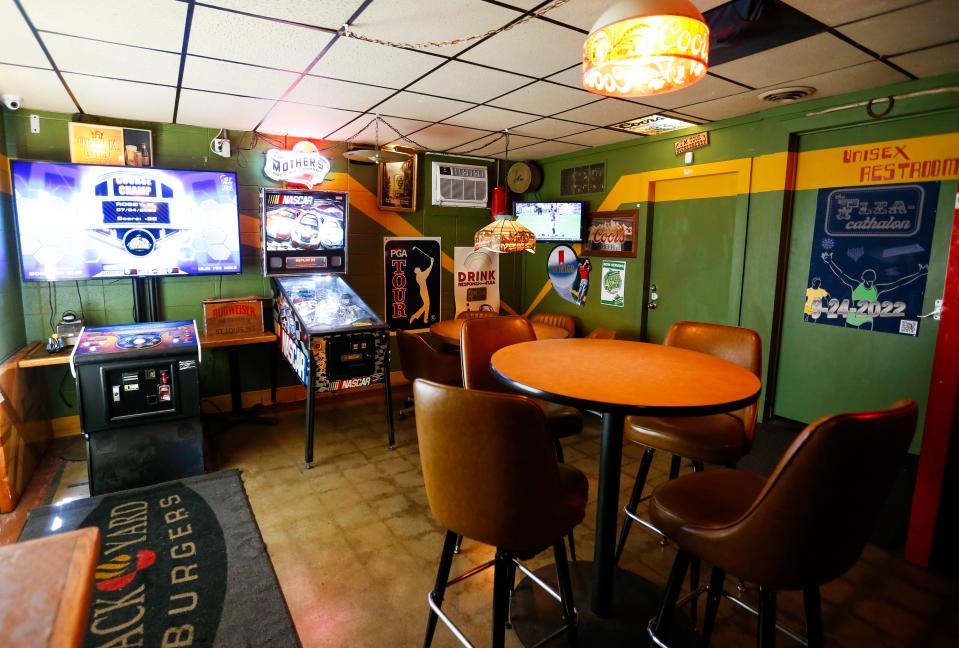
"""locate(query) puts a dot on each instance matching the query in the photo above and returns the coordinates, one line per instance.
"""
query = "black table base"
(535, 614)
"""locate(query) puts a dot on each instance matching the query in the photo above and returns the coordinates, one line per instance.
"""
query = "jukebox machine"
(331, 338)
(139, 394)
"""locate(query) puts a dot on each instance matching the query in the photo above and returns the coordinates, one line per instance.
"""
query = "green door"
(827, 369)
(696, 254)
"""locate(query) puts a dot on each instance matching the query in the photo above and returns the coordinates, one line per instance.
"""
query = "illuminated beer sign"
(644, 56)
(303, 165)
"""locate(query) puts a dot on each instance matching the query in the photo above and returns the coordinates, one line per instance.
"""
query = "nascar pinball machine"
(331, 338)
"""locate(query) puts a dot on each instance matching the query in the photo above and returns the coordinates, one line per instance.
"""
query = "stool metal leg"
(560, 457)
(500, 599)
(634, 498)
(813, 605)
(767, 617)
(565, 591)
(459, 543)
(713, 598)
(673, 586)
(674, 464)
(439, 588)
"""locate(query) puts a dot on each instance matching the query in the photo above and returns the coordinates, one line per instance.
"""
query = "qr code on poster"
(909, 327)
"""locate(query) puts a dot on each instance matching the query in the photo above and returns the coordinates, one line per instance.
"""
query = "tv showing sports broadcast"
(552, 221)
(304, 232)
(84, 221)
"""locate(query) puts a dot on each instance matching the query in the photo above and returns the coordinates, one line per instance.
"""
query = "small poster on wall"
(412, 282)
(397, 185)
(870, 257)
(475, 280)
(111, 145)
(613, 289)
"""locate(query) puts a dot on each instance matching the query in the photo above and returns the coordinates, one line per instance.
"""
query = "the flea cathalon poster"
(475, 280)
(870, 257)
(413, 269)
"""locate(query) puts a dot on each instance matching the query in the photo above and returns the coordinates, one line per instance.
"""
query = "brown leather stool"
(476, 314)
(601, 333)
(556, 319)
(420, 360)
(491, 475)
(801, 528)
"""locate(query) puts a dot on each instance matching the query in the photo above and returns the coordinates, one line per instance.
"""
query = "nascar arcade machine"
(139, 393)
(330, 337)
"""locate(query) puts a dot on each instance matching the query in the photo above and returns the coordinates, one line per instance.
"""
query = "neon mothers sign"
(302, 166)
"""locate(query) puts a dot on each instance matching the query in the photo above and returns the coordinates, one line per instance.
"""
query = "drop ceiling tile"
(39, 89)
(306, 121)
(909, 29)
(431, 20)
(419, 106)
(806, 57)
(497, 148)
(584, 13)
(494, 119)
(354, 60)
(708, 88)
(468, 82)
(214, 110)
(600, 137)
(545, 150)
(930, 62)
(334, 93)
(607, 111)
(537, 48)
(834, 13)
(20, 47)
(362, 131)
(234, 37)
(573, 77)
(548, 128)
(328, 13)
(125, 99)
(441, 137)
(544, 98)
(146, 23)
(235, 78)
(85, 56)
(732, 106)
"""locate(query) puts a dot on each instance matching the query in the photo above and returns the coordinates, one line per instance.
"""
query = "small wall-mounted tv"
(552, 221)
(304, 232)
(85, 221)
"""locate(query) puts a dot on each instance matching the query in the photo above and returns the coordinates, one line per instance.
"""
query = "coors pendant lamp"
(504, 234)
(639, 48)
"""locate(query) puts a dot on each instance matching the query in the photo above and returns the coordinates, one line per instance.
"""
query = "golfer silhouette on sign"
(421, 276)
(866, 289)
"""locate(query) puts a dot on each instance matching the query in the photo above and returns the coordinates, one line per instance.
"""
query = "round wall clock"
(524, 176)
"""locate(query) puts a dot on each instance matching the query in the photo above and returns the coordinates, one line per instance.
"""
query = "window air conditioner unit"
(460, 185)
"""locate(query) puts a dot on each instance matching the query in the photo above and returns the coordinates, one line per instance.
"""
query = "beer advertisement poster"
(613, 289)
(563, 268)
(413, 271)
(396, 182)
(611, 234)
(870, 257)
(475, 280)
(110, 145)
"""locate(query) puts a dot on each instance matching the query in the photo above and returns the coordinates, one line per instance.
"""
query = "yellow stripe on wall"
(702, 181)
(5, 184)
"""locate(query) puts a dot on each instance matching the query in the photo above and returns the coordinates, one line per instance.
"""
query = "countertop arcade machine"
(330, 337)
(139, 394)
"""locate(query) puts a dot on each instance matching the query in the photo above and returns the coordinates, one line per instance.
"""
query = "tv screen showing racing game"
(552, 221)
(304, 232)
(82, 221)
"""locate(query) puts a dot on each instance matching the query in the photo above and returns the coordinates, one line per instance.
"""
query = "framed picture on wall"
(611, 234)
(396, 184)
(112, 145)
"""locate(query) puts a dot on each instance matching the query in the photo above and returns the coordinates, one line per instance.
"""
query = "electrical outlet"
(221, 147)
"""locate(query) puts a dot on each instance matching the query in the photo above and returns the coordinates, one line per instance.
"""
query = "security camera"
(11, 101)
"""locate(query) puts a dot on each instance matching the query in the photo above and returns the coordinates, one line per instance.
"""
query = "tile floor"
(355, 547)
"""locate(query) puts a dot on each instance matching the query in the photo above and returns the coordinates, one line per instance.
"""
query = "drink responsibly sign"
(412, 282)
(475, 280)
(870, 257)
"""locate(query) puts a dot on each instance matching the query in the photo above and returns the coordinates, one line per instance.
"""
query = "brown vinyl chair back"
(601, 333)
(420, 360)
(556, 319)
(476, 314)
(480, 339)
(814, 516)
(736, 344)
(489, 467)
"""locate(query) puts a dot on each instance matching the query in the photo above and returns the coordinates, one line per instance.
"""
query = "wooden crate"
(234, 316)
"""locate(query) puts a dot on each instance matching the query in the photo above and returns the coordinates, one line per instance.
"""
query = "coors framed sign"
(611, 234)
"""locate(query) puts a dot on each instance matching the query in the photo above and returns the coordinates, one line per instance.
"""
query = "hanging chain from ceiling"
(349, 33)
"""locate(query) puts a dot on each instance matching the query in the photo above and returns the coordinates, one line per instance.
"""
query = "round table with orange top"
(449, 331)
(618, 378)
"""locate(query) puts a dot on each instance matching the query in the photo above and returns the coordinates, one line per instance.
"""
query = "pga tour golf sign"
(303, 165)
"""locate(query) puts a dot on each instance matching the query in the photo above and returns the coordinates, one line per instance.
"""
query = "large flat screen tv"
(84, 221)
(552, 221)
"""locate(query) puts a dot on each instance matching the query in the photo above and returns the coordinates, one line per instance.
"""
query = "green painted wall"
(12, 334)
(175, 146)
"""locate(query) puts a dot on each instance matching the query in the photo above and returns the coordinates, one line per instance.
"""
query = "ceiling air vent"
(786, 95)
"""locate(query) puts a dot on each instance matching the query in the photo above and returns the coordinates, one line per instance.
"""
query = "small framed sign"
(396, 184)
(611, 234)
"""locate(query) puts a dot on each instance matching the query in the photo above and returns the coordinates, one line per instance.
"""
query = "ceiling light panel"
(214, 110)
(419, 106)
(537, 48)
(489, 118)
(544, 98)
(145, 23)
(39, 89)
(909, 29)
(468, 82)
(233, 37)
(85, 56)
(123, 99)
(19, 45)
(235, 78)
(354, 60)
(305, 121)
(330, 14)
(607, 111)
(333, 93)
